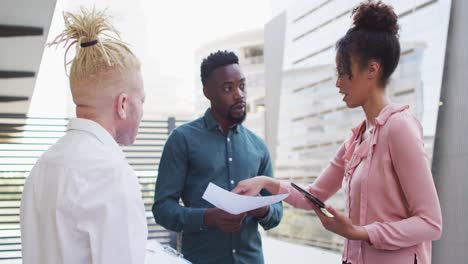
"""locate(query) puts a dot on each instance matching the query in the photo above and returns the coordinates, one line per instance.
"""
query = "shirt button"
(232, 182)
(230, 159)
(233, 251)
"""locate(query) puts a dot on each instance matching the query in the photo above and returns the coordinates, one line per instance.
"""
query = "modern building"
(248, 46)
(23, 33)
(312, 121)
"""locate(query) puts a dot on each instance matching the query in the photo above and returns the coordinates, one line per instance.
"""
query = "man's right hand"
(222, 220)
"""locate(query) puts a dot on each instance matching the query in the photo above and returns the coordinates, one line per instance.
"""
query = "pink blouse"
(388, 188)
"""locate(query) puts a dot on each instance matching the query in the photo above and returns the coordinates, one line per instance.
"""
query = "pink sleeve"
(325, 186)
(412, 168)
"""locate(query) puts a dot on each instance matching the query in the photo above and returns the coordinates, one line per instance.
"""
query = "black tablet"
(314, 199)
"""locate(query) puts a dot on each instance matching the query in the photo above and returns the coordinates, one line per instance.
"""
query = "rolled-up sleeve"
(172, 172)
(412, 169)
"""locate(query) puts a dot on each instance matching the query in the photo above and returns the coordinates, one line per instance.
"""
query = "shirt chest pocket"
(207, 161)
(247, 164)
(387, 176)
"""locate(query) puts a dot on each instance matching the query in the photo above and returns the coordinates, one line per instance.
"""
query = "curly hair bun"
(375, 16)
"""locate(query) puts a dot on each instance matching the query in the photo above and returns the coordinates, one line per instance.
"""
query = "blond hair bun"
(98, 45)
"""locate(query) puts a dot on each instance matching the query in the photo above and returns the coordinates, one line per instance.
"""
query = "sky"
(164, 35)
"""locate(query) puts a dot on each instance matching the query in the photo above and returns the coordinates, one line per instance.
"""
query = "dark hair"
(374, 36)
(216, 60)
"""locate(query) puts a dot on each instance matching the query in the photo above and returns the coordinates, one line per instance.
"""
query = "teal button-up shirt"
(196, 154)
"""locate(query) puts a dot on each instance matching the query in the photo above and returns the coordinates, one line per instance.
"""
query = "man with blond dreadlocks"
(82, 201)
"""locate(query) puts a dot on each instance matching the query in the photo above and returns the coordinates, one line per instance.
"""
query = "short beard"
(236, 120)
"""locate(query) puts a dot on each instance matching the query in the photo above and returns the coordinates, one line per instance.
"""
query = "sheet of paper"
(157, 254)
(235, 203)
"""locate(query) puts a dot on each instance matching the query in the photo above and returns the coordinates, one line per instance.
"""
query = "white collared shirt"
(82, 202)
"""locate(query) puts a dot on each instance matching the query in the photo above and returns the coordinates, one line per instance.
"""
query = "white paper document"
(235, 203)
(159, 254)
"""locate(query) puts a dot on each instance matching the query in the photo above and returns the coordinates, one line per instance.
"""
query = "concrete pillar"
(450, 161)
(273, 54)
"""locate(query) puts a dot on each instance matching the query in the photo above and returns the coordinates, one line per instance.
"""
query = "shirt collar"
(388, 111)
(212, 124)
(357, 129)
(383, 116)
(97, 130)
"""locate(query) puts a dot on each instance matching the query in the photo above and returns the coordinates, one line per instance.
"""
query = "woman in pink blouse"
(392, 209)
